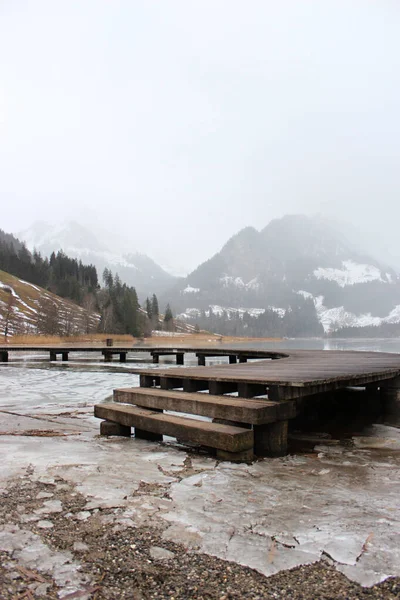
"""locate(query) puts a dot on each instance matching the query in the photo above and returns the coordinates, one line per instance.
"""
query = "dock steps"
(231, 440)
(254, 411)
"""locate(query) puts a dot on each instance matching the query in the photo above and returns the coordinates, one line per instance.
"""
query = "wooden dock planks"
(301, 369)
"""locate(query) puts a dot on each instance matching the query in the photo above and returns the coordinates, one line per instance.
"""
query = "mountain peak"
(77, 241)
(295, 263)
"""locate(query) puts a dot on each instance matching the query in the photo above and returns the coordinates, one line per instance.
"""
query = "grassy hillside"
(29, 309)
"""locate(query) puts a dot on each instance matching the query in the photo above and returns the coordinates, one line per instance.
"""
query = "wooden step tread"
(255, 411)
(215, 435)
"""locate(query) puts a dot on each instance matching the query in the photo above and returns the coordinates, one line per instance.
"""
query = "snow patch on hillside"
(190, 313)
(279, 311)
(350, 273)
(229, 312)
(35, 287)
(21, 316)
(335, 318)
(305, 294)
(8, 289)
(229, 281)
(190, 290)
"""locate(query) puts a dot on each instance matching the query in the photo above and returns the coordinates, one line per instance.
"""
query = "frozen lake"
(338, 501)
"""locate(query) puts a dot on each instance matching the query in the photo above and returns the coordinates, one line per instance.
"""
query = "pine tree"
(108, 279)
(149, 309)
(154, 309)
(168, 318)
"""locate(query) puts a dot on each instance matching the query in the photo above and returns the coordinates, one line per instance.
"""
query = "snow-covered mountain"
(295, 265)
(79, 242)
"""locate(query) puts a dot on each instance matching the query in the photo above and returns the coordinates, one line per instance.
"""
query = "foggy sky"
(177, 123)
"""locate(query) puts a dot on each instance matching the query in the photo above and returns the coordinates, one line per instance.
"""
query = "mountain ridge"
(288, 264)
(134, 268)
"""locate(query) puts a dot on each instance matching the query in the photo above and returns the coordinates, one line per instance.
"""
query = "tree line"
(115, 302)
(64, 276)
(299, 320)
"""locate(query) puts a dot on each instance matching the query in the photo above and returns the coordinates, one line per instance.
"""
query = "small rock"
(42, 495)
(324, 471)
(28, 518)
(50, 506)
(41, 590)
(80, 547)
(158, 553)
(46, 480)
(45, 524)
(83, 515)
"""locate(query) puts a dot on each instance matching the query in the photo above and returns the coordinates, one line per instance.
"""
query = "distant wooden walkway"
(278, 387)
(108, 352)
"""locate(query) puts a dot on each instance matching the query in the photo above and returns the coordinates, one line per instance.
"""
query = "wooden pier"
(108, 352)
(268, 393)
(269, 389)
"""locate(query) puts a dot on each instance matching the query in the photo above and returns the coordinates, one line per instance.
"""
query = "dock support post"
(180, 358)
(170, 383)
(156, 358)
(108, 356)
(4, 356)
(141, 434)
(249, 390)
(148, 381)
(373, 398)
(194, 385)
(110, 428)
(122, 357)
(232, 359)
(201, 360)
(390, 392)
(53, 355)
(218, 388)
(271, 439)
(64, 356)
(242, 359)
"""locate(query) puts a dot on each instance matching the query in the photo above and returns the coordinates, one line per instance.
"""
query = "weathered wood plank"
(291, 378)
(214, 435)
(216, 407)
